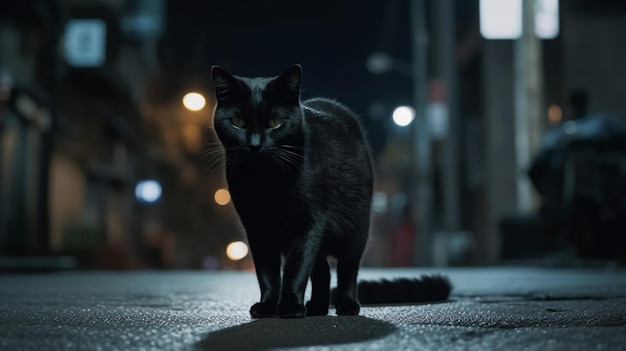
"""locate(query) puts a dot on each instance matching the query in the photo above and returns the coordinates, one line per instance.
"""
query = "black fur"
(302, 190)
(402, 290)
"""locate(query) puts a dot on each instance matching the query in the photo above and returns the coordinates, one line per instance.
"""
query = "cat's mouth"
(255, 149)
(286, 157)
(254, 152)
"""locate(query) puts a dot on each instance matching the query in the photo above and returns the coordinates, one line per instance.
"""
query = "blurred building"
(586, 55)
(81, 124)
(30, 33)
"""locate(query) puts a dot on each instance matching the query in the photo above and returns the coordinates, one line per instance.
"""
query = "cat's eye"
(275, 123)
(238, 122)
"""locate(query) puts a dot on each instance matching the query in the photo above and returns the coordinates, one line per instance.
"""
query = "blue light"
(148, 191)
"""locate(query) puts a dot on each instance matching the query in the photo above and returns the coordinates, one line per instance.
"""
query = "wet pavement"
(503, 308)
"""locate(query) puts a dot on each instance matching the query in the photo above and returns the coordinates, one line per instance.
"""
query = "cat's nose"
(254, 144)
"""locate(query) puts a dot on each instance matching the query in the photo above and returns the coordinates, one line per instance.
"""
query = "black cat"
(301, 179)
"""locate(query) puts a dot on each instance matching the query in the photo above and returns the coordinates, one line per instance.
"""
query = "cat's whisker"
(214, 163)
(210, 143)
(218, 157)
(232, 159)
(289, 159)
(292, 154)
(289, 147)
(284, 150)
(280, 163)
(274, 156)
(230, 162)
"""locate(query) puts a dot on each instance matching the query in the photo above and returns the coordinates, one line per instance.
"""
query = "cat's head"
(257, 116)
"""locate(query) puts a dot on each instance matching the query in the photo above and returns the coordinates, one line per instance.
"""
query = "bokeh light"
(148, 191)
(403, 115)
(555, 114)
(380, 202)
(194, 101)
(222, 197)
(236, 250)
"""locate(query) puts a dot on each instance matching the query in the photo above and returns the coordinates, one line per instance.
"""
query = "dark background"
(74, 142)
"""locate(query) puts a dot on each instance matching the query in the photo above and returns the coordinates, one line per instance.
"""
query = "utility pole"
(446, 58)
(528, 93)
(422, 170)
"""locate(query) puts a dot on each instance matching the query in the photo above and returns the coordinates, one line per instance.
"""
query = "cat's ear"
(288, 83)
(225, 84)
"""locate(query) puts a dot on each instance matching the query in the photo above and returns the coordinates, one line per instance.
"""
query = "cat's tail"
(402, 290)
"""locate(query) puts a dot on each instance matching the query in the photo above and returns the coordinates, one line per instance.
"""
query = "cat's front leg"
(297, 268)
(320, 292)
(291, 303)
(267, 265)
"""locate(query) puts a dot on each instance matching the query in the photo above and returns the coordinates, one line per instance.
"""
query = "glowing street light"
(222, 197)
(236, 250)
(403, 115)
(380, 62)
(194, 101)
(148, 191)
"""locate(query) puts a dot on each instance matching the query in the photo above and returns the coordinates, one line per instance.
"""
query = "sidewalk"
(490, 309)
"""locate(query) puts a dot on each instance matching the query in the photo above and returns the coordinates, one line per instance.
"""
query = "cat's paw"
(348, 308)
(316, 309)
(263, 310)
(291, 310)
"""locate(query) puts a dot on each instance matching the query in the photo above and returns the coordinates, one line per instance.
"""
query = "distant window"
(502, 19)
(85, 42)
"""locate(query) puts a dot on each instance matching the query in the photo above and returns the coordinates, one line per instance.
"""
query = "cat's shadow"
(265, 334)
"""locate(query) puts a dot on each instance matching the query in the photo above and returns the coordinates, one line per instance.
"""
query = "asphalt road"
(490, 309)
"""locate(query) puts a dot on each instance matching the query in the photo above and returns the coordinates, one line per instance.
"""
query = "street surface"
(502, 308)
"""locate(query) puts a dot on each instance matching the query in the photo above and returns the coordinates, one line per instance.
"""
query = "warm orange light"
(555, 114)
(236, 250)
(222, 197)
(194, 101)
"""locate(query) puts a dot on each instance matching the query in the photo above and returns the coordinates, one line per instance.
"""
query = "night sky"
(330, 39)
